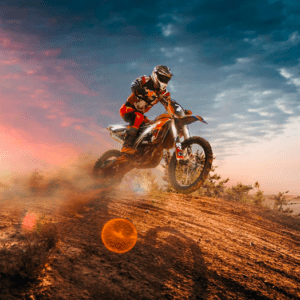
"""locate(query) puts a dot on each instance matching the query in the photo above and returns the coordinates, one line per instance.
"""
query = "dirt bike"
(189, 165)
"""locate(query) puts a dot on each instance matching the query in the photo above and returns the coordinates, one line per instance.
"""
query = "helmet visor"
(163, 79)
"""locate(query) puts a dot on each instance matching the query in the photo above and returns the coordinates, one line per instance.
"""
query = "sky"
(66, 68)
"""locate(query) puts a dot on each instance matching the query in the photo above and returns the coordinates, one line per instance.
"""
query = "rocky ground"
(188, 247)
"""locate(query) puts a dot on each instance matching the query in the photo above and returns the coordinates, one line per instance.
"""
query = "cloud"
(217, 32)
(233, 61)
(261, 112)
(290, 76)
(236, 16)
(167, 30)
(246, 112)
(69, 121)
(108, 113)
(52, 52)
(37, 115)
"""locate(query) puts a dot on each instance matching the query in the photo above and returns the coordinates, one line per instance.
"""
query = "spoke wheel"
(188, 175)
(102, 170)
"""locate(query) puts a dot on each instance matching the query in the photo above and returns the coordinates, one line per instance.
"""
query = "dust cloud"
(55, 191)
(50, 187)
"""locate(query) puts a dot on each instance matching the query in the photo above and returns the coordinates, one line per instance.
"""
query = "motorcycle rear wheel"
(107, 157)
(203, 162)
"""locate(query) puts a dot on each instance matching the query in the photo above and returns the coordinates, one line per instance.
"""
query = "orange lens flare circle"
(29, 221)
(119, 235)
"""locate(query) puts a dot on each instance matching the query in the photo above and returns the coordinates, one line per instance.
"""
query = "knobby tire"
(204, 173)
(101, 162)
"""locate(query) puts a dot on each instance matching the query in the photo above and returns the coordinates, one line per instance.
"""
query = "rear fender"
(117, 132)
(116, 128)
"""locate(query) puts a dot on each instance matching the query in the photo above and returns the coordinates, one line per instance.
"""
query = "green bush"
(280, 200)
(213, 186)
(258, 197)
(238, 192)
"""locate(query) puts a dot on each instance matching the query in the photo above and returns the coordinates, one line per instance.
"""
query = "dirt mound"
(188, 248)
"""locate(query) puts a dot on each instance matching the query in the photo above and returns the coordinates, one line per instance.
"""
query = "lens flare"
(138, 188)
(119, 235)
(29, 221)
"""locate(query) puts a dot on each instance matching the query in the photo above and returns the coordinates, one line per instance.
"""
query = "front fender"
(186, 120)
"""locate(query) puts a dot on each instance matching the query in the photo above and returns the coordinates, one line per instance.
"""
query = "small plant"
(258, 197)
(280, 200)
(30, 260)
(238, 192)
(213, 186)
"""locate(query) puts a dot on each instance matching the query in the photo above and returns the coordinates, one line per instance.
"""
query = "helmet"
(161, 75)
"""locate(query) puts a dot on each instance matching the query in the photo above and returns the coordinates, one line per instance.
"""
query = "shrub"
(280, 200)
(26, 263)
(238, 192)
(212, 186)
(258, 197)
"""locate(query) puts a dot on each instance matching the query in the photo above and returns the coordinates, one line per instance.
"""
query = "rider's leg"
(135, 120)
(130, 137)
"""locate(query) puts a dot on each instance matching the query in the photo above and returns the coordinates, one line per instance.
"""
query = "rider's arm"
(146, 120)
(165, 98)
(140, 91)
(137, 86)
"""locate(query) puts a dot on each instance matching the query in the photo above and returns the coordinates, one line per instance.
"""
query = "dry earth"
(188, 247)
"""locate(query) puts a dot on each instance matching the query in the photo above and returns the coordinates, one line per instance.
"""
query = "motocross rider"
(146, 92)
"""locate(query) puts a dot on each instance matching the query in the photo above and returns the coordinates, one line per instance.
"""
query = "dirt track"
(187, 248)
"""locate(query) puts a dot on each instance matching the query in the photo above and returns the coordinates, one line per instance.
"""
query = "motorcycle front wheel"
(186, 176)
(102, 167)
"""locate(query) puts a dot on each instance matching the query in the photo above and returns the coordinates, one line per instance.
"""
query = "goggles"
(163, 78)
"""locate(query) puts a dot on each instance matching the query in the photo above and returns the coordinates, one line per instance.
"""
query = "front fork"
(178, 147)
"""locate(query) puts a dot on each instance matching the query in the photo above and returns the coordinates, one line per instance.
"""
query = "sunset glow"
(66, 71)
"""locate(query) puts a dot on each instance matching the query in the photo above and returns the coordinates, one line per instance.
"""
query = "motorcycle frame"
(171, 126)
(177, 116)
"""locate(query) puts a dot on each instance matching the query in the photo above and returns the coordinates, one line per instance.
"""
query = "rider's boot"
(131, 134)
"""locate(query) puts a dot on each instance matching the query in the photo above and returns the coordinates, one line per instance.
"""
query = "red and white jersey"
(140, 101)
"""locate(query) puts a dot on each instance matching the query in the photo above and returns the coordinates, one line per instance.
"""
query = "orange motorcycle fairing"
(162, 116)
(159, 124)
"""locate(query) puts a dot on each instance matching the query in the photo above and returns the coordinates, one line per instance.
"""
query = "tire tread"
(204, 174)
